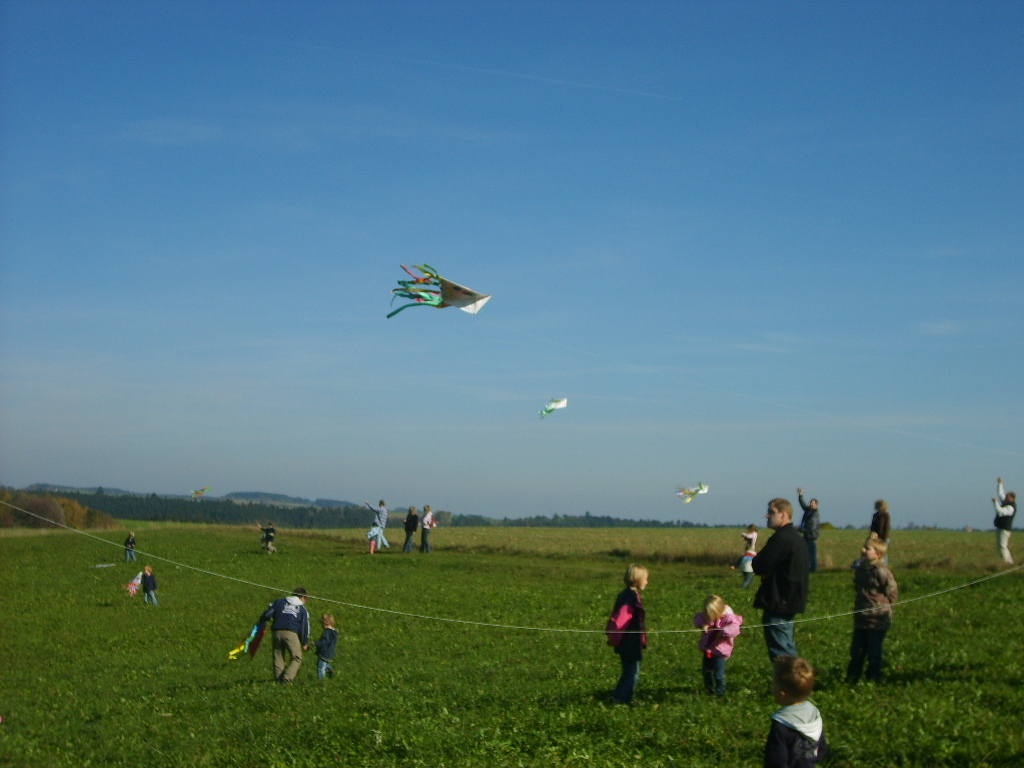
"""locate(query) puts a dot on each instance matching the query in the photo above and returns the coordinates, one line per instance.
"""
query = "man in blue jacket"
(290, 631)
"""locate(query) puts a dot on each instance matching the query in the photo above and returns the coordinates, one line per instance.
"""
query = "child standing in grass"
(148, 586)
(876, 593)
(796, 738)
(746, 567)
(626, 632)
(721, 626)
(325, 647)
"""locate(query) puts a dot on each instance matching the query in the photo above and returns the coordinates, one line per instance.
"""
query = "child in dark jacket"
(626, 632)
(148, 586)
(325, 647)
(796, 738)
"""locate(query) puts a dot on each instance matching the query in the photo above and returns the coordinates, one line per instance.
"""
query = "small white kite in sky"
(553, 405)
(200, 492)
(687, 494)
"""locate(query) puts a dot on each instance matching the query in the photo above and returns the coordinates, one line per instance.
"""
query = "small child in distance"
(721, 626)
(325, 647)
(796, 738)
(746, 562)
(148, 586)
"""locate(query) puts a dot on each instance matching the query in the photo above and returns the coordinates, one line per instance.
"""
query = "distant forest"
(153, 507)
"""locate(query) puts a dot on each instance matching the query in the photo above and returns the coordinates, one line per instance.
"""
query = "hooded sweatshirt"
(289, 615)
(796, 738)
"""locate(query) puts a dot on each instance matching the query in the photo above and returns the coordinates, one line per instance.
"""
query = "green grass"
(91, 677)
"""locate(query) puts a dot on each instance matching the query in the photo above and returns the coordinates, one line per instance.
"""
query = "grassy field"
(91, 677)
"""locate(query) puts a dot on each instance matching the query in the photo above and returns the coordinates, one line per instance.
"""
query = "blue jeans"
(129, 556)
(627, 682)
(714, 674)
(812, 554)
(778, 634)
(747, 579)
(150, 597)
(322, 668)
(866, 643)
(408, 543)
(425, 541)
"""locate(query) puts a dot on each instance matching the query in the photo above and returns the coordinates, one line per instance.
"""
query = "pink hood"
(719, 641)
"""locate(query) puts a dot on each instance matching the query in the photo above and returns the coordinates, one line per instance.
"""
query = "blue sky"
(757, 245)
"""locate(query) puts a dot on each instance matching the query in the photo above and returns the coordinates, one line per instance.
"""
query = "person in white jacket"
(1006, 508)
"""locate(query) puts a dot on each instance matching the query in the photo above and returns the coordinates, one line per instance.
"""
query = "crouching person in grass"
(876, 593)
(325, 647)
(721, 626)
(626, 630)
(291, 633)
(796, 738)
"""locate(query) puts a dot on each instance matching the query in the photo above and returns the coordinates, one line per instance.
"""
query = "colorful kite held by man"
(553, 405)
(432, 290)
(134, 585)
(251, 644)
(200, 492)
(687, 494)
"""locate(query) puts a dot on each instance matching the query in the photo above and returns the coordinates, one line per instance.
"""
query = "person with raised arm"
(1006, 508)
(810, 529)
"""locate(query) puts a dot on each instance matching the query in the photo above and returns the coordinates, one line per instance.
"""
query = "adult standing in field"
(426, 524)
(129, 549)
(880, 523)
(269, 534)
(782, 566)
(810, 528)
(290, 632)
(1006, 508)
(380, 522)
(412, 521)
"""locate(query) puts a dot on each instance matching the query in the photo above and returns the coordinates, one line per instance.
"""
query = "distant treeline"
(58, 509)
(154, 507)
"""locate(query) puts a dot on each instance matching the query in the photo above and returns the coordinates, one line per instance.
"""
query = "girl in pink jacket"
(720, 627)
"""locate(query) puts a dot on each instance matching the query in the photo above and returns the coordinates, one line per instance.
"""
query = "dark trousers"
(866, 643)
(408, 542)
(778, 634)
(425, 540)
(714, 674)
(812, 554)
(627, 682)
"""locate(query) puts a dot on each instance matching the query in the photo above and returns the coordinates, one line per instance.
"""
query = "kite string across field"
(492, 625)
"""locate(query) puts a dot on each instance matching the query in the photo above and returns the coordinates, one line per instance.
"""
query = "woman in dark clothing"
(880, 522)
(412, 521)
(627, 632)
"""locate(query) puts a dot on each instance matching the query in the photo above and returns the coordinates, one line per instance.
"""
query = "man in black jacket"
(782, 566)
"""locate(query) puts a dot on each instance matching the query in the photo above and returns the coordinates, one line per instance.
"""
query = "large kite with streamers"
(251, 644)
(133, 585)
(200, 492)
(687, 494)
(432, 290)
(553, 405)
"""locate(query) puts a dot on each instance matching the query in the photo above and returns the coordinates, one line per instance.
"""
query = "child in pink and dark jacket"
(627, 632)
(721, 626)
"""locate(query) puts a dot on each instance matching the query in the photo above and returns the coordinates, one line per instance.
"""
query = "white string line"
(743, 396)
(485, 623)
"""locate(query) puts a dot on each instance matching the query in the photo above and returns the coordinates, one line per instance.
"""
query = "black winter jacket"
(782, 566)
